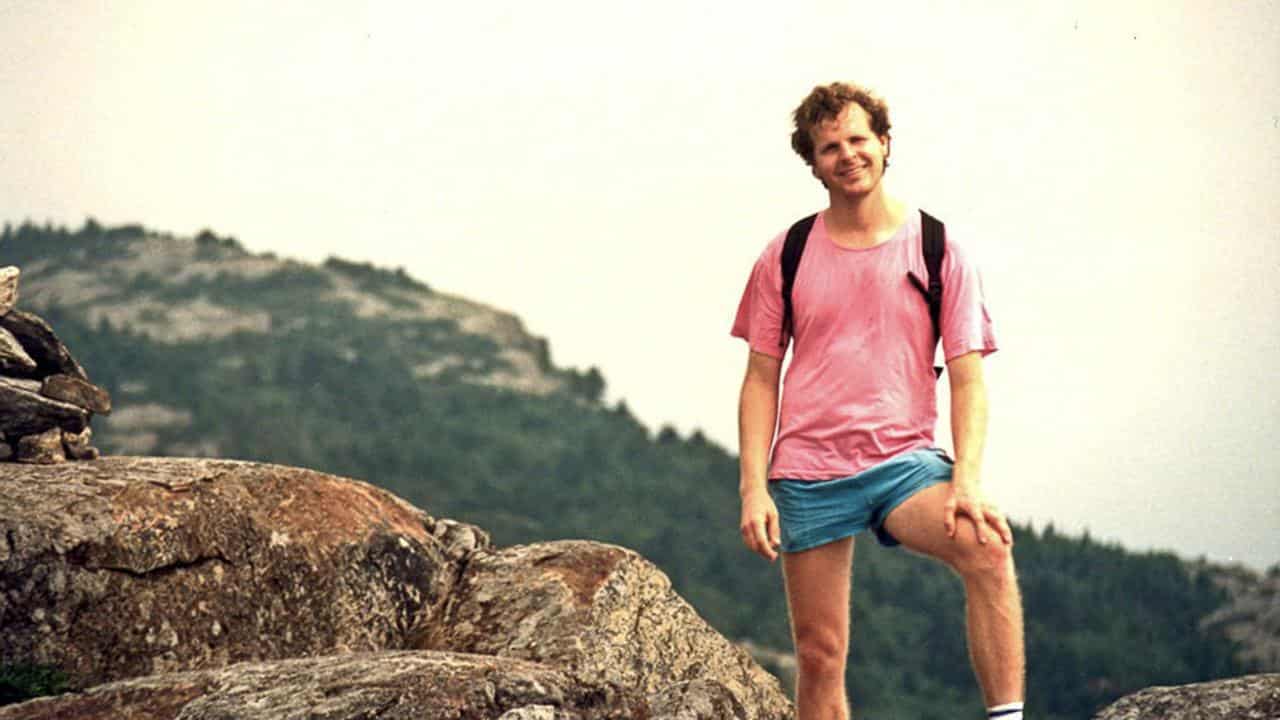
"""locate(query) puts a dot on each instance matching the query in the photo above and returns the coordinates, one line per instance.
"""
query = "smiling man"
(863, 291)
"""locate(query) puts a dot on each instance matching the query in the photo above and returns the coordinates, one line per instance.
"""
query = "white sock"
(1008, 711)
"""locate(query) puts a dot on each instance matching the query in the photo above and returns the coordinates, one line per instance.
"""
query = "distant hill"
(210, 350)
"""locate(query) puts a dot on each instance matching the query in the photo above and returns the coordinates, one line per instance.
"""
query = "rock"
(81, 393)
(77, 445)
(44, 448)
(779, 663)
(695, 700)
(1253, 697)
(8, 288)
(131, 566)
(460, 539)
(600, 612)
(13, 358)
(24, 412)
(31, 386)
(384, 685)
(6, 451)
(41, 344)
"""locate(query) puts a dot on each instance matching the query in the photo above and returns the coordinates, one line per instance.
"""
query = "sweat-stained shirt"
(860, 388)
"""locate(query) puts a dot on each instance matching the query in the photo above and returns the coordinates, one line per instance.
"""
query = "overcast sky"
(610, 171)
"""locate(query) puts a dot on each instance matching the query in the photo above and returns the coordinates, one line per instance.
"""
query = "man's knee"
(820, 651)
(991, 561)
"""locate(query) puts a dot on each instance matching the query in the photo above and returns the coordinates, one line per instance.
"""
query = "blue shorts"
(816, 512)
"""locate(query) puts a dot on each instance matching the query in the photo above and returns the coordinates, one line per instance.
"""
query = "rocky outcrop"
(44, 393)
(600, 611)
(127, 567)
(168, 302)
(1253, 697)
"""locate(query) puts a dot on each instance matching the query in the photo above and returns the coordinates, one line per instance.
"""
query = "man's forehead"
(851, 116)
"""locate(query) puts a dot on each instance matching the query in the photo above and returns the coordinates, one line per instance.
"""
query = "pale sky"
(609, 172)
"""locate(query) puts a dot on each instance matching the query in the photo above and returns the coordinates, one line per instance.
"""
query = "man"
(854, 447)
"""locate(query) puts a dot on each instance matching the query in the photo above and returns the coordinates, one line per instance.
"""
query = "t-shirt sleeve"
(759, 318)
(966, 324)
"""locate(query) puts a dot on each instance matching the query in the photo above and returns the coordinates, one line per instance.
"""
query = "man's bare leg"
(817, 583)
(993, 606)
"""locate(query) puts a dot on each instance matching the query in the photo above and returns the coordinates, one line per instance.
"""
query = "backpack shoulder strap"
(934, 246)
(792, 249)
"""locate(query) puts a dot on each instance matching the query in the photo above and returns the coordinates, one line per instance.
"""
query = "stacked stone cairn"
(46, 398)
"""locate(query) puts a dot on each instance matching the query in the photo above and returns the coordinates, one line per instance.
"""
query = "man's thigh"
(918, 523)
(817, 583)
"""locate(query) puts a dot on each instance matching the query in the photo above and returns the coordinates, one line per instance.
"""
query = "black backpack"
(933, 245)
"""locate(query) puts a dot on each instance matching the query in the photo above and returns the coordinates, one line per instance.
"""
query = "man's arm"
(969, 432)
(757, 419)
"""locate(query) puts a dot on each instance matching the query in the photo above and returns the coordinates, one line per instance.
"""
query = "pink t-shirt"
(860, 387)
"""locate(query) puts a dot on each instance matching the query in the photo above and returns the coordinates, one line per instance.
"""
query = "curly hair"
(826, 102)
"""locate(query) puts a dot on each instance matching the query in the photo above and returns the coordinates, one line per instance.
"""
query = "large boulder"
(1253, 697)
(122, 567)
(601, 612)
(387, 685)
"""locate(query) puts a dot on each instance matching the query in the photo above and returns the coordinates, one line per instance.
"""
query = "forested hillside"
(369, 373)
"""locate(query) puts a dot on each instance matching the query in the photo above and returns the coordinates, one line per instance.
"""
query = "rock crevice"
(161, 570)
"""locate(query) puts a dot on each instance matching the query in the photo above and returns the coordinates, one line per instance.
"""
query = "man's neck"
(862, 220)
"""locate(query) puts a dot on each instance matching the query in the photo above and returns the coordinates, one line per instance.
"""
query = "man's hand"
(966, 500)
(759, 524)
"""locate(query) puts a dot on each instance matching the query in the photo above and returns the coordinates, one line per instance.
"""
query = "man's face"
(847, 156)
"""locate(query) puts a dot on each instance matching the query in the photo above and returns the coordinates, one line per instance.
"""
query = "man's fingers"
(755, 537)
(980, 525)
(975, 512)
(761, 535)
(994, 517)
(762, 539)
(749, 537)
